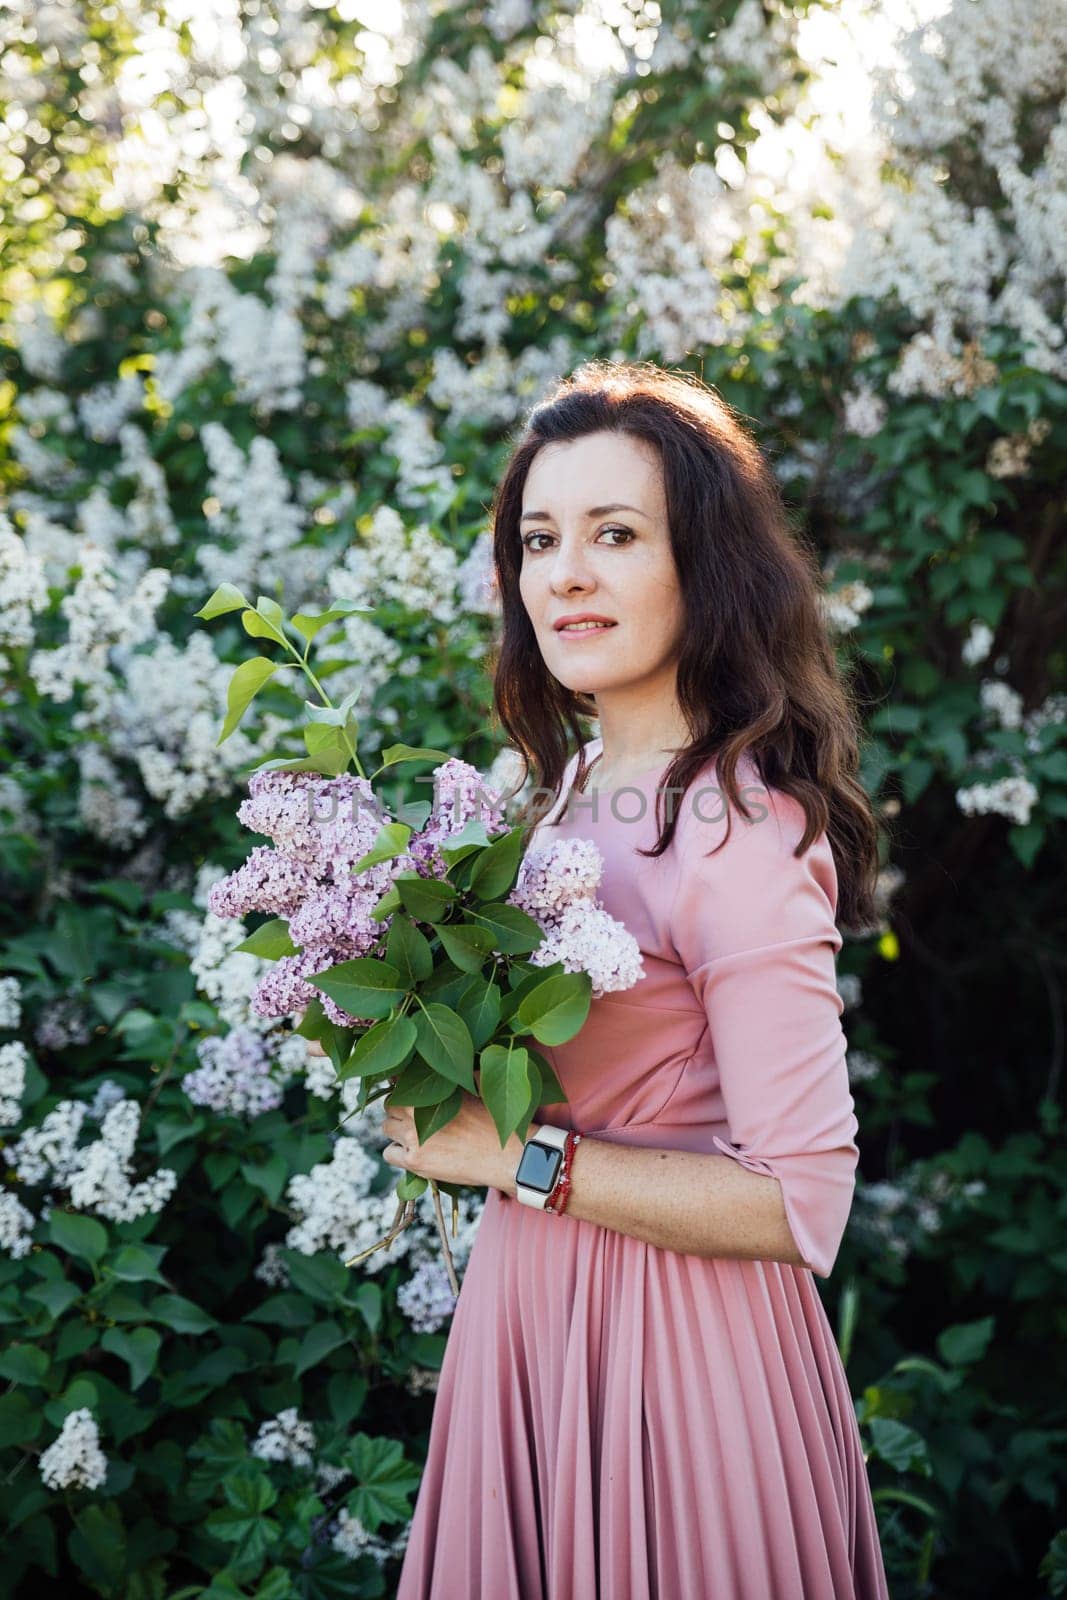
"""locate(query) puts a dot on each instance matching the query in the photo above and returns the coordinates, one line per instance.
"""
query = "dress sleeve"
(754, 928)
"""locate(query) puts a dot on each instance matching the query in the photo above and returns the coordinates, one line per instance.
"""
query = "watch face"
(539, 1167)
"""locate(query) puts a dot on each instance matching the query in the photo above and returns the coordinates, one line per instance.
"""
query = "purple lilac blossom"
(555, 887)
(234, 1075)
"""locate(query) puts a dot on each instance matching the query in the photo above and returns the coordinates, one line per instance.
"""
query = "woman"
(641, 1395)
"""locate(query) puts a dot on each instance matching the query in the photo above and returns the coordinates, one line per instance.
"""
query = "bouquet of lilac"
(428, 957)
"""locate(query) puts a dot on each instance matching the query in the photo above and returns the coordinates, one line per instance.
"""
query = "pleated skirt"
(615, 1421)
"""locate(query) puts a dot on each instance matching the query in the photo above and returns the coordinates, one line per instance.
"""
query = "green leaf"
(479, 1005)
(514, 933)
(508, 1088)
(419, 1085)
(57, 1294)
(444, 1043)
(391, 841)
(326, 744)
(424, 898)
(465, 944)
(410, 1186)
(382, 1049)
(384, 1480)
(394, 754)
(20, 1420)
(245, 684)
(138, 1347)
(309, 623)
(98, 1545)
(365, 987)
(322, 1277)
(226, 598)
(79, 1236)
(24, 1363)
(367, 1300)
(269, 1176)
(430, 1119)
(408, 949)
(270, 941)
(183, 1315)
(319, 1342)
(137, 1263)
(498, 867)
(556, 1009)
(899, 1446)
(258, 627)
(965, 1342)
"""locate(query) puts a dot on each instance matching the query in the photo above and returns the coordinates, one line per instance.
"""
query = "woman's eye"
(530, 536)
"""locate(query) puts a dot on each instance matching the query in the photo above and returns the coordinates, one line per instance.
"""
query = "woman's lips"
(585, 633)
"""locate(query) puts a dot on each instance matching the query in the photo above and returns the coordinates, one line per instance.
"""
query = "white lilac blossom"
(850, 988)
(864, 411)
(261, 343)
(966, 78)
(101, 1182)
(14, 1058)
(62, 1023)
(23, 589)
(556, 886)
(352, 1539)
(479, 591)
(977, 644)
(862, 1066)
(49, 1150)
(10, 1002)
(108, 1093)
(426, 1299)
(16, 1226)
(336, 1211)
(845, 606)
(498, 388)
(257, 528)
(103, 409)
(97, 1175)
(147, 518)
(74, 1460)
(270, 1268)
(164, 714)
(1002, 701)
(105, 807)
(1013, 797)
(392, 561)
(235, 1075)
(100, 616)
(286, 1438)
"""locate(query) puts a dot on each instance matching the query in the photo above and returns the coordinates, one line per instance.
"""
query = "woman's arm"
(703, 1205)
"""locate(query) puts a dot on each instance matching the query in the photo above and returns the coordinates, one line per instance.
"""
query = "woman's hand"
(465, 1150)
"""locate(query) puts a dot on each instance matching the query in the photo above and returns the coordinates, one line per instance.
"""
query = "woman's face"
(579, 555)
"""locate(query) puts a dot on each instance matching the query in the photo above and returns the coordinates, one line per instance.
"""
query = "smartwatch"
(539, 1165)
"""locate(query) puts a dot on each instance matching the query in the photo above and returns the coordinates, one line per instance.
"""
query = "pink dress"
(616, 1421)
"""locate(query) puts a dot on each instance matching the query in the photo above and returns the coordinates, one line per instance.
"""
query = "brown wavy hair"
(757, 672)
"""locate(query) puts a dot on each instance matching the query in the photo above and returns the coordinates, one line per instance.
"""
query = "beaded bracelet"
(558, 1198)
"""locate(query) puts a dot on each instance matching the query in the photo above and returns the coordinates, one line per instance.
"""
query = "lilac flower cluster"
(426, 1299)
(236, 1074)
(556, 886)
(319, 827)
